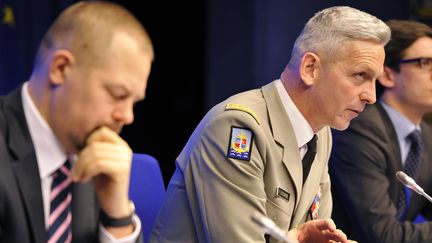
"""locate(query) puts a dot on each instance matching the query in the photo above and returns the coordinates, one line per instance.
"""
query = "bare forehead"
(422, 47)
(129, 64)
(360, 48)
(366, 53)
(122, 41)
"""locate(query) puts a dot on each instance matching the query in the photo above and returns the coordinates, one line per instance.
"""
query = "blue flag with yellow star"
(22, 26)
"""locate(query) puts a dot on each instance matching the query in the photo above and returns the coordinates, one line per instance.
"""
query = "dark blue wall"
(205, 52)
(249, 41)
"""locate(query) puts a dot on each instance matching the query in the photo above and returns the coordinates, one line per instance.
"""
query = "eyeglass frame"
(419, 60)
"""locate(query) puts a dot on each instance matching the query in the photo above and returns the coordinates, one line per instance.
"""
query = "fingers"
(104, 134)
(106, 159)
(101, 158)
(330, 232)
(324, 224)
(336, 236)
(106, 153)
(323, 230)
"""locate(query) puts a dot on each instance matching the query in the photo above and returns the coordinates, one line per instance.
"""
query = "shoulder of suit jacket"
(239, 107)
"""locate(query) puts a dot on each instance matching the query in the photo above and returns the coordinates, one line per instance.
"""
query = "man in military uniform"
(250, 154)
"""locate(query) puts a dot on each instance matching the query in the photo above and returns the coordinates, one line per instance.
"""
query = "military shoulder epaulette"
(231, 106)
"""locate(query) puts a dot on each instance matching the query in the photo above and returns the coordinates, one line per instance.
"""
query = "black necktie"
(412, 164)
(309, 156)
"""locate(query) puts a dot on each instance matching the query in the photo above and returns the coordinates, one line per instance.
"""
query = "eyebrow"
(128, 90)
(370, 71)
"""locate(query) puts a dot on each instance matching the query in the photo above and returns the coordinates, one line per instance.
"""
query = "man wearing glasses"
(370, 204)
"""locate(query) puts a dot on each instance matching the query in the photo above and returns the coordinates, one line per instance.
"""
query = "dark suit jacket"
(21, 206)
(363, 164)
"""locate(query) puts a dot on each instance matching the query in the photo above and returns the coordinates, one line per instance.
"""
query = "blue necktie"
(411, 168)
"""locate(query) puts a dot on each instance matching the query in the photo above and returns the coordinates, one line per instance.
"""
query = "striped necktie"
(60, 217)
(411, 168)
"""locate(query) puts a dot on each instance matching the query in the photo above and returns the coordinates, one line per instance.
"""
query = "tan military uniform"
(212, 195)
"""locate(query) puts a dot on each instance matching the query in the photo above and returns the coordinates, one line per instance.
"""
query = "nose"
(124, 114)
(369, 94)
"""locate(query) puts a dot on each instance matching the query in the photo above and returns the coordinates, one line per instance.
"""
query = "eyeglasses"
(423, 62)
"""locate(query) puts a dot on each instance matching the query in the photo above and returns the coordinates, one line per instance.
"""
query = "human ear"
(309, 66)
(387, 78)
(60, 64)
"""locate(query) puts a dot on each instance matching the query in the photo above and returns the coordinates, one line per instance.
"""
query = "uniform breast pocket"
(280, 212)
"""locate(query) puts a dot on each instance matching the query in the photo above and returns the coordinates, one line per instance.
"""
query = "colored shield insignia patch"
(240, 143)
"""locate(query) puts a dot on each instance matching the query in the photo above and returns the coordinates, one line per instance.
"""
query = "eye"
(361, 76)
(426, 62)
(118, 93)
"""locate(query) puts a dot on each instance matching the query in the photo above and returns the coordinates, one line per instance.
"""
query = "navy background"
(206, 50)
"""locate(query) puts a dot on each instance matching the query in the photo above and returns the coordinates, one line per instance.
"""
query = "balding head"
(86, 29)
(91, 68)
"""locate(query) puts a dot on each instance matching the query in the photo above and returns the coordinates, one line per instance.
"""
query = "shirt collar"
(302, 130)
(402, 125)
(49, 153)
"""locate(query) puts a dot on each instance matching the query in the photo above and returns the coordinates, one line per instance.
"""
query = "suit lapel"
(395, 161)
(25, 165)
(27, 175)
(84, 212)
(284, 135)
(392, 137)
(310, 189)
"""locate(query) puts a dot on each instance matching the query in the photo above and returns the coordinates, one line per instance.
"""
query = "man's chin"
(341, 124)
(78, 147)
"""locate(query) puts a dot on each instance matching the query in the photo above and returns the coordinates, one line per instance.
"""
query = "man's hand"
(107, 160)
(317, 231)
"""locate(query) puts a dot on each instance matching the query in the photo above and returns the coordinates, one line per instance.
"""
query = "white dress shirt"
(48, 150)
(302, 130)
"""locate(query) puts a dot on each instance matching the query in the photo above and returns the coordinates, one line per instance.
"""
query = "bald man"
(91, 67)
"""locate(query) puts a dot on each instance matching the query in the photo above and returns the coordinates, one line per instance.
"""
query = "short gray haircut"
(329, 29)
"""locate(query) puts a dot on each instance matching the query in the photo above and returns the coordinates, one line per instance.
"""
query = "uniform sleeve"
(228, 190)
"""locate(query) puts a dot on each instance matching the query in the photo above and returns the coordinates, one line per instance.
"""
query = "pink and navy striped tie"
(60, 217)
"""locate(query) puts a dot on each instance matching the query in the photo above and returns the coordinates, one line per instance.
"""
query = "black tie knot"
(309, 156)
(312, 144)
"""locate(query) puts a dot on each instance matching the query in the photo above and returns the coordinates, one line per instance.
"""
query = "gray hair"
(329, 29)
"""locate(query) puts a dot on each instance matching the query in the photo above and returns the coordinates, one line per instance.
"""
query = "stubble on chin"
(116, 128)
(78, 143)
